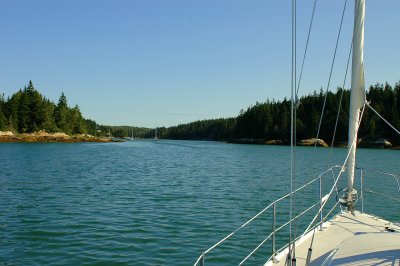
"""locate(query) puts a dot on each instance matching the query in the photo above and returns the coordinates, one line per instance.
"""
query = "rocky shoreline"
(306, 142)
(59, 137)
(42, 136)
(373, 144)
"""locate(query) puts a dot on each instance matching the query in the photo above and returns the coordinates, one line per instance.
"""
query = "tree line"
(270, 120)
(212, 129)
(122, 131)
(29, 111)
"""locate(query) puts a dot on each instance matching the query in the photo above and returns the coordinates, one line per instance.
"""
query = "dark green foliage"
(3, 120)
(11, 111)
(76, 123)
(385, 100)
(256, 122)
(61, 113)
(213, 129)
(271, 120)
(397, 93)
(28, 111)
(91, 126)
(24, 113)
(122, 131)
(46, 112)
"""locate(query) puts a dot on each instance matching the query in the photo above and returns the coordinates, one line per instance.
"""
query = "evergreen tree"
(90, 126)
(61, 113)
(75, 121)
(35, 103)
(397, 101)
(12, 111)
(24, 115)
(28, 111)
(3, 120)
(45, 115)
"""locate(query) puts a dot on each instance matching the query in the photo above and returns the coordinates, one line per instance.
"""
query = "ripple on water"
(144, 202)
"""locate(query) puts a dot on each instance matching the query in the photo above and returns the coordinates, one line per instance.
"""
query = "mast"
(357, 93)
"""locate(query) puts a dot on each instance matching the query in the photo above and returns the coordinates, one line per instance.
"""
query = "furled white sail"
(357, 95)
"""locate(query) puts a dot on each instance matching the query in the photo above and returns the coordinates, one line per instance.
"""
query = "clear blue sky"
(161, 63)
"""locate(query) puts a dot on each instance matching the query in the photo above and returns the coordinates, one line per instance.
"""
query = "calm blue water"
(146, 202)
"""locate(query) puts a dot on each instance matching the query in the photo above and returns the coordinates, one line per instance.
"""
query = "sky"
(153, 63)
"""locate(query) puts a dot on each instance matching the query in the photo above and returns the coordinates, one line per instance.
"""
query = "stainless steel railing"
(381, 173)
(321, 204)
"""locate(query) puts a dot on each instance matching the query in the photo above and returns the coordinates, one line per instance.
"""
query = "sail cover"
(357, 94)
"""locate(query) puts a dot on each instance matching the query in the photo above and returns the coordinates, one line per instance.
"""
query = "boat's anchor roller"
(348, 199)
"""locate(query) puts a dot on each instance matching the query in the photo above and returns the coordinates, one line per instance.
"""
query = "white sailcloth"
(357, 94)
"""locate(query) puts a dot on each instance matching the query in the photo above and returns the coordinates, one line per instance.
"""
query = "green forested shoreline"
(271, 120)
(28, 111)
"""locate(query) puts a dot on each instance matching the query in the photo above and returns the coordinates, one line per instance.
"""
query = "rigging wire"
(306, 48)
(290, 258)
(381, 117)
(327, 88)
(322, 114)
(297, 92)
(341, 96)
(333, 61)
(339, 109)
(330, 74)
(335, 184)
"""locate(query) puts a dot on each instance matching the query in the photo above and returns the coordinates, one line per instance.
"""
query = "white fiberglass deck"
(350, 240)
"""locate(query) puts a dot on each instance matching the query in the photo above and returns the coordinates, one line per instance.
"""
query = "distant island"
(28, 115)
